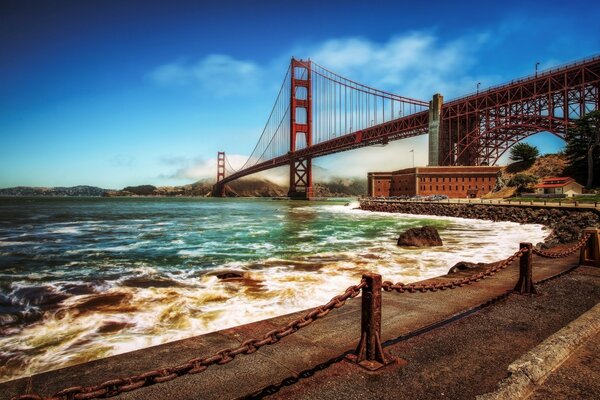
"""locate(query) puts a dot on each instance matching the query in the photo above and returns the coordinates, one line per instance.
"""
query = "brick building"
(454, 182)
(379, 184)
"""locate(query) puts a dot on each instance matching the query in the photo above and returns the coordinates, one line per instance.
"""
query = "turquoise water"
(81, 279)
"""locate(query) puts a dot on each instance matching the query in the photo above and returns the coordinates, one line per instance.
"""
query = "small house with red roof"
(560, 185)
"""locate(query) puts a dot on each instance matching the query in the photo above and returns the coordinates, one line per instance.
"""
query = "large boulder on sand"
(420, 237)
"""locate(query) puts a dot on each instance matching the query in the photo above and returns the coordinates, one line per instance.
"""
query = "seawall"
(566, 223)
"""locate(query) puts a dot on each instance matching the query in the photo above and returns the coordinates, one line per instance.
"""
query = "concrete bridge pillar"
(435, 111)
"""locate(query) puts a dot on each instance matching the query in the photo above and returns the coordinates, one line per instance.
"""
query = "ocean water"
(82, 279)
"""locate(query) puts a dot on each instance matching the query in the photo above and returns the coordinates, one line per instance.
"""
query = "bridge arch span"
(499, 140)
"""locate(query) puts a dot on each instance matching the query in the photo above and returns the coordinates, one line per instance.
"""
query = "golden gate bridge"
(318, 112)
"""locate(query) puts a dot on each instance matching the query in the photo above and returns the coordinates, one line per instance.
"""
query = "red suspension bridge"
(318, 112)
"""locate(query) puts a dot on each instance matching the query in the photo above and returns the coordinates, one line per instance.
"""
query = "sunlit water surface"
(82, 279)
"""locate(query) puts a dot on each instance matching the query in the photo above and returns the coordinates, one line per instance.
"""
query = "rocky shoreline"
(566, 223)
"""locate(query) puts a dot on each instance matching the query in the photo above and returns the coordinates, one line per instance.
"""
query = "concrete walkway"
(320, 343)
(576, 378)
(530, 371)
(466, 358)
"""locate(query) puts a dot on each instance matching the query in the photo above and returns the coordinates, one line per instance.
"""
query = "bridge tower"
(220, 166)
(219, 188)
(435, 112)
(300, 126)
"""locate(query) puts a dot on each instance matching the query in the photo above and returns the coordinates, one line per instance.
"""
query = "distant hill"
(75, 191)
(341, 187)
(336, 187)
(197, 189)
(254, 188)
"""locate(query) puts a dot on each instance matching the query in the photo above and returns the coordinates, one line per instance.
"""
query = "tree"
(523, 152)
(522, 181)
(583, 149)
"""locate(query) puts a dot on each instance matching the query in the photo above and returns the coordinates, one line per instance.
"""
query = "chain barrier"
(433, 287)
(563, 253)
(197, 365)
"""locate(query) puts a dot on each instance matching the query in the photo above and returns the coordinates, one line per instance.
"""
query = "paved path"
(576, 378)
(470, 356)
(322, 342)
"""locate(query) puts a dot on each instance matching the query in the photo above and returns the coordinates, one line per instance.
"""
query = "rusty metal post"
(369, 353)
(590, 252)
(525, 283)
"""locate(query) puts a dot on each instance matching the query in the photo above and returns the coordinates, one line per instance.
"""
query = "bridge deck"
(320, 342)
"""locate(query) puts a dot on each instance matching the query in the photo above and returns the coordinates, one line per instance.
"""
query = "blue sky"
(147, 92)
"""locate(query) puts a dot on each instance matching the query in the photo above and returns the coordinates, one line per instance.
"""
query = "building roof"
(450, 169)
(555, 182)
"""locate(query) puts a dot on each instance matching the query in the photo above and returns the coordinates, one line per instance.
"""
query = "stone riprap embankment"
(566, 223)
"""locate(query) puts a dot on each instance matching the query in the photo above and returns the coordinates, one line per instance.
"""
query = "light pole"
(478, 84)
(537, 64)
(413, 157)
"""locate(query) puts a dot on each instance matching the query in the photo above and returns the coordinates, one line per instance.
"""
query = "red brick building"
(454, 182)
(379, 184)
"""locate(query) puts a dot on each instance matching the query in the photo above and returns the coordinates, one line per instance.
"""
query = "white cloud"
(417, 64)
(198, 169)
(357, 163)
(218, 74)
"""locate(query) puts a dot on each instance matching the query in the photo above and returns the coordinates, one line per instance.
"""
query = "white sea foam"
(7, 244)
(68, 230)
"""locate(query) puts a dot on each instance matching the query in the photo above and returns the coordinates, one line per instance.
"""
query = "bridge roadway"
(322, 342)
(401, 128)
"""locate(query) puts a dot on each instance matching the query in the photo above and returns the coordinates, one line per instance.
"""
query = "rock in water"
(464, 265)
(420, 237)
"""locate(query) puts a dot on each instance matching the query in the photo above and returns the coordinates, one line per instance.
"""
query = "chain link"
(563, 253)
(434, 287)
(114, 387)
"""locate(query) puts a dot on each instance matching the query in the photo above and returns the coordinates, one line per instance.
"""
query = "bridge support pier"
(218, 190)
(301, 179)
(435, 111)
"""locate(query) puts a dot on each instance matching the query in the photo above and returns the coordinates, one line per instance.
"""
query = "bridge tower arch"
(300, 126)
